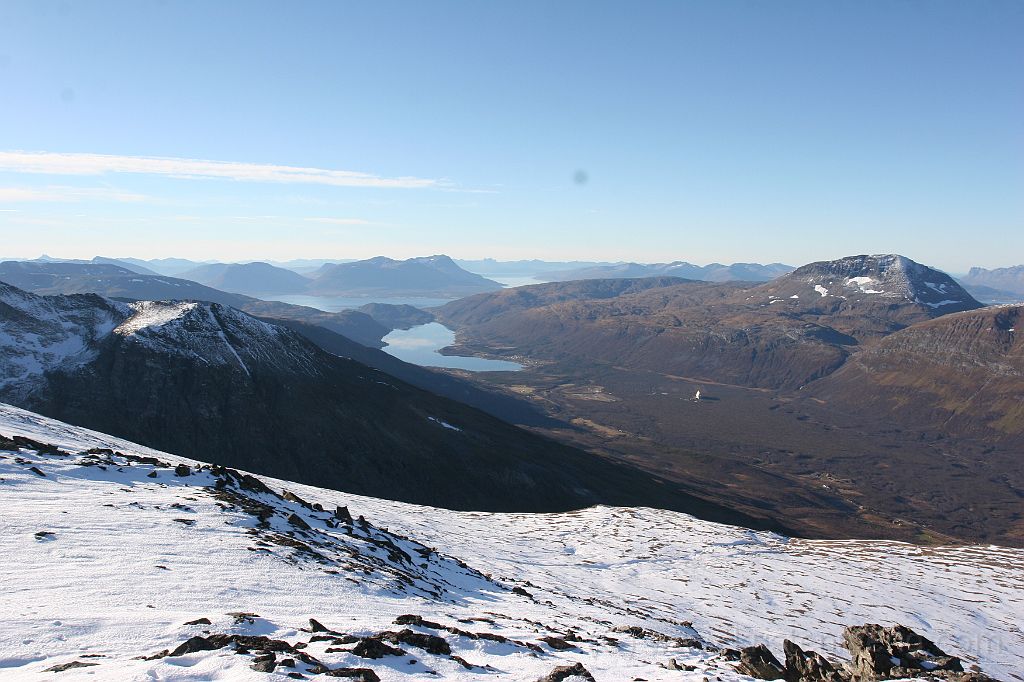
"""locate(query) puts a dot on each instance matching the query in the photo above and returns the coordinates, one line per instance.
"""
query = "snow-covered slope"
(107, 556)
(888, 278)
(41, 333)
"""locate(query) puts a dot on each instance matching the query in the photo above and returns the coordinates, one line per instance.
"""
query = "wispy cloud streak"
(55, 163)
(10, 195)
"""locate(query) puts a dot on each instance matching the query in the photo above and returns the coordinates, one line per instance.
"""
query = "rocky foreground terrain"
(124, 563)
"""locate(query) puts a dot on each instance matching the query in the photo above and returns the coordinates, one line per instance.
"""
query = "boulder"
(758, 661)
(371, 647)
(564, 672)
(808, 666)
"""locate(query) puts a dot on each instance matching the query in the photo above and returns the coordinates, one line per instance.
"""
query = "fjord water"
(420, 346)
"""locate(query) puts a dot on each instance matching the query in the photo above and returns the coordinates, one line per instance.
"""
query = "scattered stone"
(152, 474)
(44, 534)
(182, 470)
(36, 471)
(372, 647)
(357, 674)
(243, 617)
(297, 521)
(566, 671)
(342, 514)
(68, 666)
(199, 621)
(265, 666)
(557, 643)
(292, 497)
(187, 522)
(758, 661)
(317, 626)
(432, 644)
(410, 619)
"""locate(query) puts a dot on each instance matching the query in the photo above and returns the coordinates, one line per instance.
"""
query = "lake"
(419, 346)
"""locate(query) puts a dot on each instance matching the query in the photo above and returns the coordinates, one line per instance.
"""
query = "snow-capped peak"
(882, 277)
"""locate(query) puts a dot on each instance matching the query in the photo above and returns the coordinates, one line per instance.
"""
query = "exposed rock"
(317, 626)
(298, 522)
(411, 619)
(879, 652)
(342, 514)
(68, 666)
(182, 470)
(808, 666)
(357, 674)
(292, 497)
(372, 647)
(566, 671)
(758, 661)
(36, 471)
(432, 644)
(199, 621)
(557, 643)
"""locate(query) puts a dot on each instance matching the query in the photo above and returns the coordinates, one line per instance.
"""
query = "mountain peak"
(215, 333)
(886, 276)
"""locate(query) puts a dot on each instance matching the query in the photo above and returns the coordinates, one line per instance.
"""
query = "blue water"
(419, 346)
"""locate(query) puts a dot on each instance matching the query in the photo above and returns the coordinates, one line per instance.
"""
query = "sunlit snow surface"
(94, 590)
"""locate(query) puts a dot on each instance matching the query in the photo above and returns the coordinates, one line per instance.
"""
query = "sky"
(649, 131)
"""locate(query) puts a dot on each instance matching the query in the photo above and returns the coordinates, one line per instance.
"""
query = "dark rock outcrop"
(884, 653)
(758, 661)
(808, 666)
(566, 671)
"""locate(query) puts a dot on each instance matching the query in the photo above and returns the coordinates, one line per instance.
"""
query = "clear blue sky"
(753, 131)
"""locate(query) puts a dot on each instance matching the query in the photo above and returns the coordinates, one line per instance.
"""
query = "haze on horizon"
(667, 131)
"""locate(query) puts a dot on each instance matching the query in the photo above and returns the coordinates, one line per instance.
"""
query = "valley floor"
(106, 558)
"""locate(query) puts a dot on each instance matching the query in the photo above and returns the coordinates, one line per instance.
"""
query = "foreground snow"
(132, 557)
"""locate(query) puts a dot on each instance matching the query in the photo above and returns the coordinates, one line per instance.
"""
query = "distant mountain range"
(433, 276)
(715, 272)
(427, 277)
(997, 283)
(248, 278)
(113, 281)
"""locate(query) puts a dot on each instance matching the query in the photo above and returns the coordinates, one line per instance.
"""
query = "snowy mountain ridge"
(128, 563)
(39, 334)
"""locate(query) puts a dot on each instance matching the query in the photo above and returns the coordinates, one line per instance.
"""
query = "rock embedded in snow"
(566, 673)
(759, 662)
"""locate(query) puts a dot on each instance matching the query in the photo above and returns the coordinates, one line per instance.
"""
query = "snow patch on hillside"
(136, 551)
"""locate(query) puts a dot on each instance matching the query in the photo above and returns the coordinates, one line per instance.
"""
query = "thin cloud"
(54, 163)
(10, 195)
